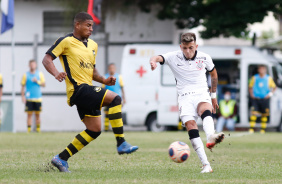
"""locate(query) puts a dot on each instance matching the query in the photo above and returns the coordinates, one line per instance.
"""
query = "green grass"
(24, 158)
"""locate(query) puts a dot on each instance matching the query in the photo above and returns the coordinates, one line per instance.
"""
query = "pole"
(13, 80)
(35, 46)
(106, 52)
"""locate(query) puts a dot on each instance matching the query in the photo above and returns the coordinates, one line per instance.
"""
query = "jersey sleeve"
(120, 81)
(167, 57)
(42, 78)
(209, 64)
(1, 81)
(271, 83)
(252, 82)
(58, 48)
(23, 82)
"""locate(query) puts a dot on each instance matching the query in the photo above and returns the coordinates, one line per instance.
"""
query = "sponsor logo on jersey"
(200, 65)
(86, 65)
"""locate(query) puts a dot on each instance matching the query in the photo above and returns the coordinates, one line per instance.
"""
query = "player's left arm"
(272, 87)
(214, 81)
(41, 81)
(99, 78)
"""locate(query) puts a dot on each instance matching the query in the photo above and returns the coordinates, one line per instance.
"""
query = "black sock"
(120, 140)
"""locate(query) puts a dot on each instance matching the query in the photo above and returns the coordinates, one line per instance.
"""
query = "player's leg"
(196, 141)
(254, 114)
(113, 101)
(264, 115)
(204, 110)
(220, 124)
(29, 120)
(92, 131)
(37, 116)
(106, 119)
(230, 124)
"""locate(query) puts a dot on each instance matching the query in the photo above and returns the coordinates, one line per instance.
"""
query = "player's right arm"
(251, 84)
(154, 60)
(99, 78)
(50, 67)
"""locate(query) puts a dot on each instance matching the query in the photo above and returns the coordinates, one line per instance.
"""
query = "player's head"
(83, 25)
(227, 95)
(32, 65)
(112, 68)
(262, 69)
(188, 45)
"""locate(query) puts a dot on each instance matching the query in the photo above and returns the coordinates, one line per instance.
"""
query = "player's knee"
(116, 101)
(191, 125)
(205, 114)
(94, 134)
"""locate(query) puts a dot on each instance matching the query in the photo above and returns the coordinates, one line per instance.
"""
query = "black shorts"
(33, 106)
(88, 100)
(260, 106)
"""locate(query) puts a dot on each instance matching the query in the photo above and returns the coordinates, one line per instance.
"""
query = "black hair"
(82, 16)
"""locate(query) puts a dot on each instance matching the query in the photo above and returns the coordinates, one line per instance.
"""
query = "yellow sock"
(38, 128)
(263, 124)
(252, 123)
(117, 123)
(28, 128)
(106, 121)
(179, 127)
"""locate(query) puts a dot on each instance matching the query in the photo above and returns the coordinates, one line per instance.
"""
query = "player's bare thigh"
(92, 123)
(191, 124)
(110, 96)
(203, 106)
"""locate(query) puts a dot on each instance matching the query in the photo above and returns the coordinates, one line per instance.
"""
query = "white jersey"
(190, 74)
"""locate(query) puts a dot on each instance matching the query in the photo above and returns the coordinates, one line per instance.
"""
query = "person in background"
(117, 88)
(227, 113)
(261, 89)
(32, 81)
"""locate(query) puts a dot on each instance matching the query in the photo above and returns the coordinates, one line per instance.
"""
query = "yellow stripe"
(77, 144)
(253, 118)
(119, 135)
(92, 116)
(252, 124)
(86, 136)
(115, 109)
(116, 123)
(69, 151)
(264, 119)
(103, 99)
(34, 100)
(263, 125)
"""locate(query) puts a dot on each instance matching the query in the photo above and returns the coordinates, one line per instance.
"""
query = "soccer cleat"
(61, 164)
(207, 169)
(126, 148)
(214, 139)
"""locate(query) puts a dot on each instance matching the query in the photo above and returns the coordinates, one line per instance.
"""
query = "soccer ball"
(179, 151)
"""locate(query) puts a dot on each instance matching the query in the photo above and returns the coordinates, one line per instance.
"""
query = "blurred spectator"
(117, 88)
(261, 88)
(227, 113)
(31, 96)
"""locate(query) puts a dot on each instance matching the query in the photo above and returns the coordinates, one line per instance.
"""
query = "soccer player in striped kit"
(189, 67)
(77, 54)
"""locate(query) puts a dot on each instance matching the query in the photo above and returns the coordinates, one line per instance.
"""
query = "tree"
(219, 17)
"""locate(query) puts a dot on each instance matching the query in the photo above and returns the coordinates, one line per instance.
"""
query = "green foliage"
(241, 158)
(219, 17)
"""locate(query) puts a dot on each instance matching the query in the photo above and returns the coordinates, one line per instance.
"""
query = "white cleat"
(207, 169)
(214, 139)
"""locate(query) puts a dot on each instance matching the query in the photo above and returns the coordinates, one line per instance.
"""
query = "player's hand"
(214, 105)
(110, 81)
(153, 64)
(61, 76)
(34, 79)
(123, 101)
(23, 99)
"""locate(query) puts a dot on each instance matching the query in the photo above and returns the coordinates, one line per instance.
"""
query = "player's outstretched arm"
(99, 78)
(214, 81)
(50, 67)
(154, 60)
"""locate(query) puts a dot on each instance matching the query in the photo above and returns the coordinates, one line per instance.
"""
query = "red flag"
(91, 9)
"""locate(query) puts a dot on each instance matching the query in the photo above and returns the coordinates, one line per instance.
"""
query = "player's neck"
(32, 71)
(261, 75)
(79, 37)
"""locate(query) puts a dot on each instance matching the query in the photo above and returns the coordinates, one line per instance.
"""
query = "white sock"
(198, 146)
(208, 126)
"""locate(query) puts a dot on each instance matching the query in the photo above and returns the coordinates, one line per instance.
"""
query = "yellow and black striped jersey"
(78, 60)
(1, 81)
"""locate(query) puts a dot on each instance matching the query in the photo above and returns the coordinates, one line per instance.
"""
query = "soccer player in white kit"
(189, 68)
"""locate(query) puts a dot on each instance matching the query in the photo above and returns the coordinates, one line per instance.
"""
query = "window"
(277, 75)
(55, 26)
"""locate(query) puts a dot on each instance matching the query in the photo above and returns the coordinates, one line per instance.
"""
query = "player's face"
(189, 49)
(85, 28)
(32, 65)
(262, 70)
(112, 69)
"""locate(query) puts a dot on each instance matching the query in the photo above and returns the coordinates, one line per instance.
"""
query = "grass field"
(241, 158)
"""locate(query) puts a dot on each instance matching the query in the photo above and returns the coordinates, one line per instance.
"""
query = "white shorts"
(188, 105)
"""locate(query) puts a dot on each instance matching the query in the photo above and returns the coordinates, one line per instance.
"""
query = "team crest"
(97, 89)
(200, 65)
